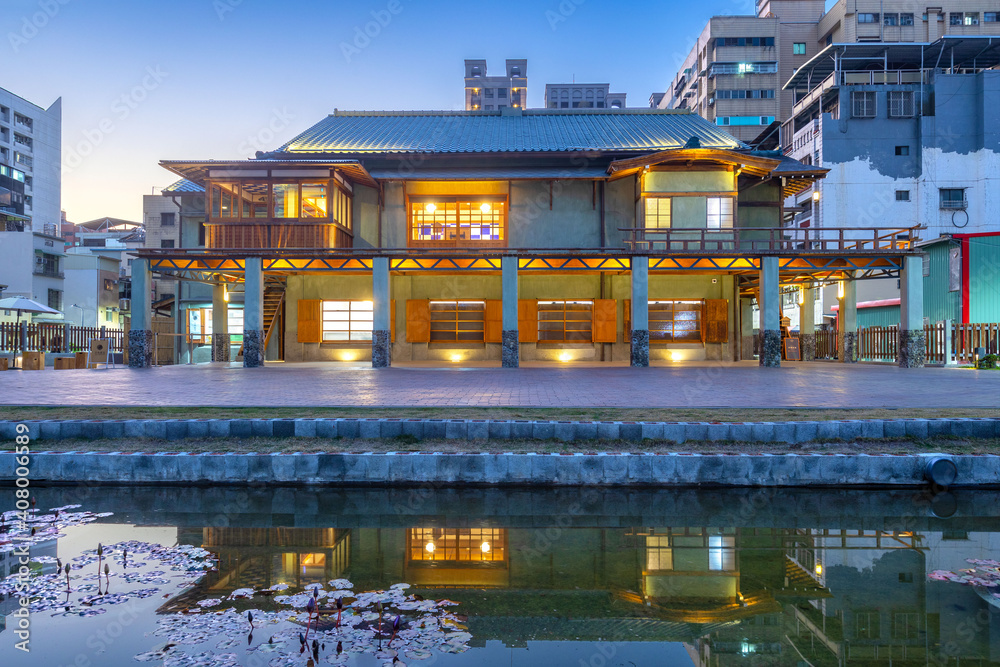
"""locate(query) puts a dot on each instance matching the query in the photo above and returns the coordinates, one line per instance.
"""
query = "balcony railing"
(748, 240)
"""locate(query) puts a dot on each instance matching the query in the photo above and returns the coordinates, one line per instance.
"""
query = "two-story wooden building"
(601, 235)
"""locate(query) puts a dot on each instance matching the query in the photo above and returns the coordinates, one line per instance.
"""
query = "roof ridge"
(344, 113)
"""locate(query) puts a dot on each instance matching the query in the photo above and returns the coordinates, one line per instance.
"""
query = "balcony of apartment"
(893, 77)
(48, 268)
(23, 123)
(803, 141)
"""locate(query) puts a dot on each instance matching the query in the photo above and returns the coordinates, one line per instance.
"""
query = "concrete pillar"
(746, 329)
(221, 340)
(140, 336)
(253, 313)
(807, 323)
(65, 344)
(912, 339)
(770, 313)
(511, 352)
(847, 332)
(381, 336)
(639, 355)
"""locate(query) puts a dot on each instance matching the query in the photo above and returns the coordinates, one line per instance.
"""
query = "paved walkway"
(706, 384)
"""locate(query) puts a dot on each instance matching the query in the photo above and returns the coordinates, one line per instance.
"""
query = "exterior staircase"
(274, 313)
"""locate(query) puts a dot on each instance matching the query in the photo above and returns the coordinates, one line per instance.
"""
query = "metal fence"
(52, 337)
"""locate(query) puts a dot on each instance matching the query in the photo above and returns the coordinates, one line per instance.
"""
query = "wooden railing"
(52, 337)
(882, 343)
(752, 239)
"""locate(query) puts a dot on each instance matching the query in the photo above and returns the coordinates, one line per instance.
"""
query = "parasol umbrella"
(23, 305)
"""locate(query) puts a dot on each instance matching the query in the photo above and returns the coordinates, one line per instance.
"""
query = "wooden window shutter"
(310, 321)
(527, 320)
(627, 312)
(494, 321)
(418, 321)
(605, 321)
(715, 319)
(392, 320)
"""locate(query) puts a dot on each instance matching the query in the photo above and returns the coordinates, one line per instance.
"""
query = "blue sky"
(144, 80)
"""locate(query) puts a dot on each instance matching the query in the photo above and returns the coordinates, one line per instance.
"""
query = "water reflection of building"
(9, 564)
(757, 596)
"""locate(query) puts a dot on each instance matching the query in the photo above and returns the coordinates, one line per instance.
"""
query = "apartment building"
(31, 153)
(582, 96)
(488, 93)
(907, 21)
(733, 74)
(736, 71)
(907, 145)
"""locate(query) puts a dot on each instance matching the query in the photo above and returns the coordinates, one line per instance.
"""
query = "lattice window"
(458, 321)
(345, 321)
(565, 321)
(675, 321)
(901, 104)
(862, 104)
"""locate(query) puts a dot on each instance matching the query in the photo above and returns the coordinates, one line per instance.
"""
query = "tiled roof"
(183, 186)
(533, 130)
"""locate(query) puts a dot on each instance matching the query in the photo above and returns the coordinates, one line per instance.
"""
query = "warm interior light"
(348, 356)
(840, 289)
(430, 547)
(485, 208)
(431, 207)
(675, 356)
(225, 294)
(819, 568)
(485, 546)
(564, 357)
(802, 295)
(815, 195)
(456, 358)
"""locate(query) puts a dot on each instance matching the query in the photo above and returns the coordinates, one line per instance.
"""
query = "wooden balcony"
(749, 240)
(242, 236)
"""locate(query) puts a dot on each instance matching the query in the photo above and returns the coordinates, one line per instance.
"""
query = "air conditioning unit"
(39, 260)
(125, 305)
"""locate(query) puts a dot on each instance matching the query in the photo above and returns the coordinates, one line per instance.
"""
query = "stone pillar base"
(381, 349)
(140, 348)
(912, 348)
(253, 349)
(639, 352)
(808, 344)
(770, 348)
(849, 347)
(221, 347)
(511, 351)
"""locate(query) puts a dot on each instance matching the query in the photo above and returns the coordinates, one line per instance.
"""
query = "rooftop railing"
(750, 239)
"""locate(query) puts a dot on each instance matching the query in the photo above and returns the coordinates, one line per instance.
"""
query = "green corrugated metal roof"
(533, 130)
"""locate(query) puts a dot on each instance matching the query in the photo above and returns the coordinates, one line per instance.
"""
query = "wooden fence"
(51, 337)
(882, 343)
(826, 345)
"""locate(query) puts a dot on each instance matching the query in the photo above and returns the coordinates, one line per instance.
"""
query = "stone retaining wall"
(368, 468)
(497, 429)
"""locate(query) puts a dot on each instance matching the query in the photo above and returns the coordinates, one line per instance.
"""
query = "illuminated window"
(658, 211)
(346, 321)
(720, 212)
(721, 553)
(565, 321)
(675, 321)
(464, 545)
(458, 321)
(314, 200)
(286, 200)
(200, 325)
(659, 555)
(450, 221)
